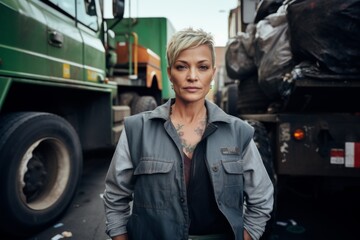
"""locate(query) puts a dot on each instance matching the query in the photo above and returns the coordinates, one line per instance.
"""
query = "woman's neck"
(188, 112)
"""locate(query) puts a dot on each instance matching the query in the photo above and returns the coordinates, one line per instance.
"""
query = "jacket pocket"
(233, 183)
(233, 172)
(233, 166)
(154, 181)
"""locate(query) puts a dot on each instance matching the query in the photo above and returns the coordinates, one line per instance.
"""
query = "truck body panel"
(322, 152)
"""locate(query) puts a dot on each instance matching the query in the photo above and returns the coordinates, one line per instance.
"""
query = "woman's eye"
(180, 67)
(204, 67)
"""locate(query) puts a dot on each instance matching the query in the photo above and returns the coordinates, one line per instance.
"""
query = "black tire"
(251, 98)
(218, 98)
(232, 99)
(40, 168)
(128, 98)
(143, 103)
(262, 141)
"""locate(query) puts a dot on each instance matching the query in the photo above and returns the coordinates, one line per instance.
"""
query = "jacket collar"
(215, 114)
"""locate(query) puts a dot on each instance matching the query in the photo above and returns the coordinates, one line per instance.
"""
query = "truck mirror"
(118, 8)
(90, 8)
(248, 8)
(113, 9)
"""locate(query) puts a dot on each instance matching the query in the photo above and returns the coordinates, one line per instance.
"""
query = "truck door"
(73, 39)
(89, 23)
(64, 40)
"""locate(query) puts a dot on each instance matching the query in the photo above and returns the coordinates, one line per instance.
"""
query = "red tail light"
(299, 134)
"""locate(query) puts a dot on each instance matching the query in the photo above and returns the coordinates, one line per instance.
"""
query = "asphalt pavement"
(302, 214)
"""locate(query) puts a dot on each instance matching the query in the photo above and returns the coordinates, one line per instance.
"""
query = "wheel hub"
(34, 178)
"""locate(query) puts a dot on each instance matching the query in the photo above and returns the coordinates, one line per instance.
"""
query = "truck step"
(117, 129)
(120, 112)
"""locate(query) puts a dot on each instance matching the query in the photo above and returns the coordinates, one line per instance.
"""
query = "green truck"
(70, 71)
(153, 34)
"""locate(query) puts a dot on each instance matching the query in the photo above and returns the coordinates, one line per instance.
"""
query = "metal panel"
(311, 156)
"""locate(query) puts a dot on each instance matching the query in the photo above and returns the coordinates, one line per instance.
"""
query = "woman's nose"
(193, 75)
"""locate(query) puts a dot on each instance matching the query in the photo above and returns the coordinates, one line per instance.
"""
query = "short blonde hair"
(189, 38)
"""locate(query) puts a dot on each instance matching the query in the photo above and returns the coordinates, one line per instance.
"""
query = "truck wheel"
(262, 142)
(252, 99)
(40, 167)
(128, 98)
(232, 99)
(143, 103)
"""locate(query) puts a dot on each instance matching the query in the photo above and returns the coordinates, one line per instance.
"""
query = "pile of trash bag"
(300, 39)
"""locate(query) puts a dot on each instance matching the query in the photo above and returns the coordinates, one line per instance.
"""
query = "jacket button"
(182, 200)
(215, 168)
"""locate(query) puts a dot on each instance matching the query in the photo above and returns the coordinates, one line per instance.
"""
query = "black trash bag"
(310, 70)
(273, 56)
(327, 32)
(239, 54)
(265, 8)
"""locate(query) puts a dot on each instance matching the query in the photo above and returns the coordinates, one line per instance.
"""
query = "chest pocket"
(233, 183)
(153, 183)
(234, 171)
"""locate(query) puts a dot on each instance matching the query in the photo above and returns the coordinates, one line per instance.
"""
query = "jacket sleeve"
(118, 189)
(259, 192)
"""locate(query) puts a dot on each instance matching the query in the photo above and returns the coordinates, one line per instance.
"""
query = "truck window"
(65, 5)
(87, 13)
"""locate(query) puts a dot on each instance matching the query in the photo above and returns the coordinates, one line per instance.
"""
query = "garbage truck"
(294, 70)
(70, 71)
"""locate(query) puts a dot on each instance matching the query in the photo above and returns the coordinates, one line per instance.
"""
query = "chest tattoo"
(193, 135)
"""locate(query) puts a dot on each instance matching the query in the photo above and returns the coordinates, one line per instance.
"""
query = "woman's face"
(191, 74)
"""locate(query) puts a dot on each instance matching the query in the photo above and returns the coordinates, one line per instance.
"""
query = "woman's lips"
(191, 89)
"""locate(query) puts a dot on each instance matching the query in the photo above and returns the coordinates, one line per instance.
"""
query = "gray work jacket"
(148, 166)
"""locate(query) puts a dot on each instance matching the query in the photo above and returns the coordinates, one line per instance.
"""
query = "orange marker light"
(299, 134)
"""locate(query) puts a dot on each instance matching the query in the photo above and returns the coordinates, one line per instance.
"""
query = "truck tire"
(262, 141)
(128, 98)
(143, 103)
(40, 168)
(232, 99)
(252, 99)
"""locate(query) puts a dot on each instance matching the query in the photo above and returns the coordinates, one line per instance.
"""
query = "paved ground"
(302, 215)
(333, 214)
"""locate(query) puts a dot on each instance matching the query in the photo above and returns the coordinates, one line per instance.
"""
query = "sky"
(210, 15)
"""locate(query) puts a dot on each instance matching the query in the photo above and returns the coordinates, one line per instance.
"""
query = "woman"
(191, 170)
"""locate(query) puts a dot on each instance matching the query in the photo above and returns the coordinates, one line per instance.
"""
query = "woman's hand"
(246, 235)
(120, 237)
